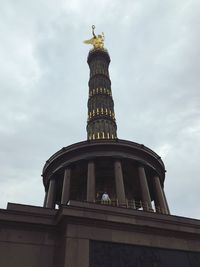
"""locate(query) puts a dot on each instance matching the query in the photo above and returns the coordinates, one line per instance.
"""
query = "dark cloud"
(154, 48)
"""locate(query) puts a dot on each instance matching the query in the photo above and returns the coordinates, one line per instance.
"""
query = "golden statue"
(96, 41)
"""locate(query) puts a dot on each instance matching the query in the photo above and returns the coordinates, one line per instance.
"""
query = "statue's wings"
(90, 41)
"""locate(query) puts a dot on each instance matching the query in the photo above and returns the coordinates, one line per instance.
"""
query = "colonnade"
(159, 195)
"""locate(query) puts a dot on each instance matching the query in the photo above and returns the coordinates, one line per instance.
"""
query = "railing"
(129, 204)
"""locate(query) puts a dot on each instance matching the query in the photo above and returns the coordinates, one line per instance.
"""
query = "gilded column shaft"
(101, 117)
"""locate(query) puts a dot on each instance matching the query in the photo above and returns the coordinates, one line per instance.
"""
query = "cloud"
(154, 47)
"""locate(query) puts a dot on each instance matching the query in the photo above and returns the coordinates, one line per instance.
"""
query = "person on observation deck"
(105, 197)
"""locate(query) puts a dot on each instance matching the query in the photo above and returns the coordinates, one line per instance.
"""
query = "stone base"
(86, 234)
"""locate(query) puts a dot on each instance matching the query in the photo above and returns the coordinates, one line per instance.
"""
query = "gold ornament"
(97, 41)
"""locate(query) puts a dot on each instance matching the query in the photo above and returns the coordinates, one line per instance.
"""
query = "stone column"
(91, 182)
(166, 203)
(66, 187)
(119, 183)
(45, 199)
(51, 194)
(160, 200)
(146, 199)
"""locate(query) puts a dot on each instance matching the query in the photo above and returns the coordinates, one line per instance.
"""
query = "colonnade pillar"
(45, 199)
(51, 194)
(66, 187)
(91, 182)
(166, 202)
(119, 183)
(146, 199)
(160, 200)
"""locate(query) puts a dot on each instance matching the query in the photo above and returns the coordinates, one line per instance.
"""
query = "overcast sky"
(155, 72)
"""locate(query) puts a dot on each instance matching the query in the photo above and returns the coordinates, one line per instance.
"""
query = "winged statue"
(97, 40)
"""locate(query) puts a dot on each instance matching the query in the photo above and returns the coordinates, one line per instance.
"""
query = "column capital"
(141, 165)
